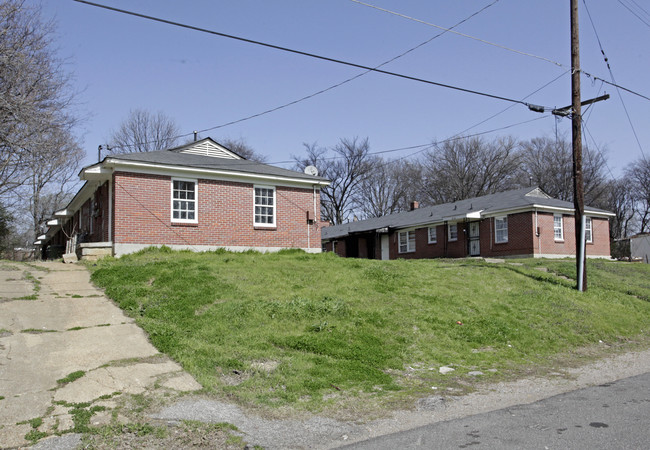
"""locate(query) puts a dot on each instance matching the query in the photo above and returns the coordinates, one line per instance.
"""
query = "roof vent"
(208, 148)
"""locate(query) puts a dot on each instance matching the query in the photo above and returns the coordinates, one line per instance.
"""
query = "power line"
(500, 46)
(302, 53)
(322, 91)
(503, 47)
(637, 14)
(611, 74)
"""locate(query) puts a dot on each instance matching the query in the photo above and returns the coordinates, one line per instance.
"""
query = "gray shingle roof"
(478, 207)
(174, 158)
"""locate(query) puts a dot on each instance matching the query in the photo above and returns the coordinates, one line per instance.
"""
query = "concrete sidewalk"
(54, 322)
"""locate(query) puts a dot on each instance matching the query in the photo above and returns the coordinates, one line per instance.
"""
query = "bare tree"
(549, 164)
(143, 131)
(638, 175)
(389, 187)
(52, 171)
(34, 90)
(241, 147)
(347, 169)
(469, 167)
(620, 200)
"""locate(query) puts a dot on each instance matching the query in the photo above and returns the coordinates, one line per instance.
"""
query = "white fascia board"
(589, 212)
(96, 172)
(37, 242)
(42, 237)
(212, 174)
(53, 222)
(472, 215)
(63, 213)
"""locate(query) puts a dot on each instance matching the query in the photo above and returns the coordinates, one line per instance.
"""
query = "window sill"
(185, 224)
(559, 241)
(501, 242)
(257, 227)
(432, 243)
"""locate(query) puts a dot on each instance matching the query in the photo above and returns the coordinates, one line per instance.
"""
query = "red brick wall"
(520, 236)
(443, 248)
(521, 239)
(142, 210)
(547, 244)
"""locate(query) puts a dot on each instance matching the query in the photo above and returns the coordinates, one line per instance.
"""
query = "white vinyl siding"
(558, 229)
(501, 229)
(432, 235)
(406, 241)
(589, 237)
(184, 201)
(453, 232)
(264, 209)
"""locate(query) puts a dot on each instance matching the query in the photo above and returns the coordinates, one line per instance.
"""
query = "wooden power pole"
(576, 137)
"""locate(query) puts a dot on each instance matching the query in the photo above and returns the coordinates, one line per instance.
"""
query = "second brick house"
(200, 196)
(522, 222)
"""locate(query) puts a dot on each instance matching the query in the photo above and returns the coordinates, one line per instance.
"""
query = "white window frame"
(559, 229)
(589, 230)
(432, 238)
(274, 207)
(449, 233)
(409, 241)
(195, 201)
(501, 225)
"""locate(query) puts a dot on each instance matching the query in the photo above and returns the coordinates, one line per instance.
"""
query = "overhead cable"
(300, 52)
(611, 74)
(322, 91)
(503, 47)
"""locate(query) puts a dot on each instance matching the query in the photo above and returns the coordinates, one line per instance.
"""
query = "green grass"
(315, 331)
(71, 377)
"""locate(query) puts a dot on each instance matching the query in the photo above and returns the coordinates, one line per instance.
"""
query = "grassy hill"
(321, 332)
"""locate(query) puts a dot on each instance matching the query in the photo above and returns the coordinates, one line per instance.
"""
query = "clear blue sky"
(202, 81)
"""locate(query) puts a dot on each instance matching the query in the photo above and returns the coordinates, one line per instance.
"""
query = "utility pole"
(576, 138)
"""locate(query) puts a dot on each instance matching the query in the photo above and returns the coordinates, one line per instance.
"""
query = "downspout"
(446, 238)
(110, 212)
(538, 234)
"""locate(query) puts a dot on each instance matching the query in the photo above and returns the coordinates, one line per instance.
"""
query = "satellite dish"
(311, 170)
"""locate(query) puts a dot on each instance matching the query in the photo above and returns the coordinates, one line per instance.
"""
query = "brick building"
(522, 222)
(200, 196)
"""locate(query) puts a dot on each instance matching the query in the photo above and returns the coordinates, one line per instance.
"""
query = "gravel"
(322, 433)
(318, 432)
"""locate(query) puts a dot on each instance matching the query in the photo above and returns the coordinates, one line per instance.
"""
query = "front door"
(474, 239)
(384, 247)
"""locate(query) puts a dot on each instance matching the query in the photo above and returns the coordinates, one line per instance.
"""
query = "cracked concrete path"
(54, 322)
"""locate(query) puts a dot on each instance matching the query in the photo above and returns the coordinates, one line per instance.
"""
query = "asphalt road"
(610, 416)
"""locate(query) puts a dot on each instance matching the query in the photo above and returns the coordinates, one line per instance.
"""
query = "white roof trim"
(172, 171)
(53, 223)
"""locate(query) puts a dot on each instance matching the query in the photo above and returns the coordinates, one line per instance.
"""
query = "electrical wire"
(503, 47)
(637, 14)
(611, 74)
(303, 53)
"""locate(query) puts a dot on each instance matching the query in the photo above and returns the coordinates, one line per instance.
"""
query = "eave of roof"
(508, 202)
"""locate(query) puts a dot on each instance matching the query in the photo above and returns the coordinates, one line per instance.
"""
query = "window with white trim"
(264, 210)
(184, 201)
(433, 238)
(453, 231)
(501, 229)
(558, 229)
(589, 237)
(406, 241)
